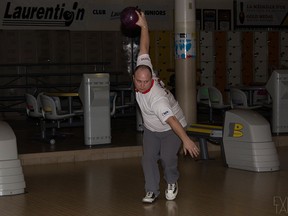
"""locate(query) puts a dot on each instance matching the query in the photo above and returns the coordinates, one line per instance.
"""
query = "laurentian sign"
(57, 15)
(80, 15)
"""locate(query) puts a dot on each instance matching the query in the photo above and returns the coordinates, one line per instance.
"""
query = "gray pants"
(163, 146)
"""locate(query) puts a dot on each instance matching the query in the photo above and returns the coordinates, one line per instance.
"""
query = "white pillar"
(185, 57)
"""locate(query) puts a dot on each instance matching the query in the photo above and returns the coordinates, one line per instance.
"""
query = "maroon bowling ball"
(129, 18)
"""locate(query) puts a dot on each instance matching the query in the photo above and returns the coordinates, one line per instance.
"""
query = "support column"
(185, 57)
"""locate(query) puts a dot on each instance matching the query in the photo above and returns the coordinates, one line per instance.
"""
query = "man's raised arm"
(144, 37)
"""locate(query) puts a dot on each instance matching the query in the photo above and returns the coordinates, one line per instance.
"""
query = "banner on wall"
(80, 15)
(261, 13)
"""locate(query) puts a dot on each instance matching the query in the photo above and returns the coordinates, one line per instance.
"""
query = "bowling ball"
(129, 18)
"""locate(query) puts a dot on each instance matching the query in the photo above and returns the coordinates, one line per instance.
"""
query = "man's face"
(142, 79)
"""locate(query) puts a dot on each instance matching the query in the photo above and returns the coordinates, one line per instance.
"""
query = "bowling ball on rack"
(129, 17)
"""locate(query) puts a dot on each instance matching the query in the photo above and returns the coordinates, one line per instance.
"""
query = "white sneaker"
(149, 198)
(171, 191)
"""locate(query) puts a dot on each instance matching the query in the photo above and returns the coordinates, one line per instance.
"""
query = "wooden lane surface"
(116, 186)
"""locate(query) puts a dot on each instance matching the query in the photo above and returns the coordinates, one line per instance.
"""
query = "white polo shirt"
(157, 105)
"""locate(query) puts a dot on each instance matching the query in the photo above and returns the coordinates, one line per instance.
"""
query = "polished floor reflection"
(115, 187)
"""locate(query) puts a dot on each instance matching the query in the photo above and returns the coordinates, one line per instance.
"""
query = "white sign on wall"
(261, 13)
(80, 15)
(184, 46)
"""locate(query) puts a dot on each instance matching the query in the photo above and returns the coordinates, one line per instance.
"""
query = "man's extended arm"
(144, 37)
(188, 145)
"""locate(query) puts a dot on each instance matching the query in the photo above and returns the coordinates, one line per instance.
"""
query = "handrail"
(54, 64)
(26, 76)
